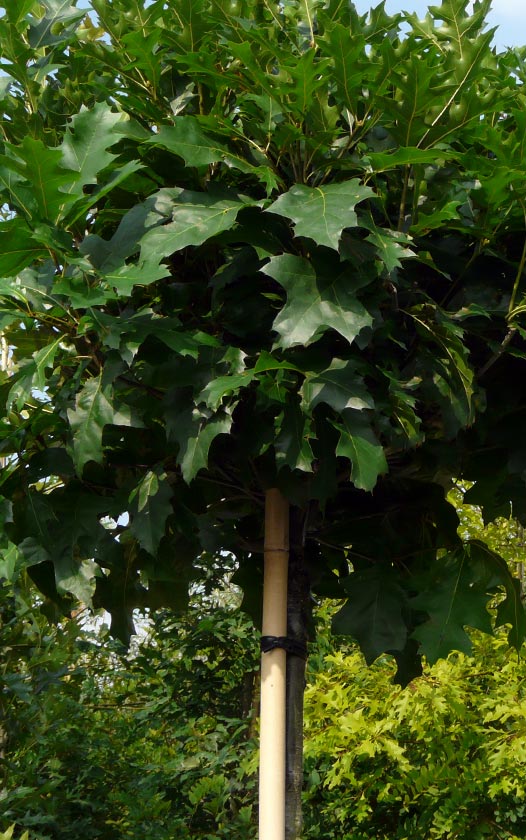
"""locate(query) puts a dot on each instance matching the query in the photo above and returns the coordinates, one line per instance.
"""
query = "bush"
(154, 744)
(443, 758)
(158, 743)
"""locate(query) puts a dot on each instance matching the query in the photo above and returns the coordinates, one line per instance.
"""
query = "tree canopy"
(248, 245)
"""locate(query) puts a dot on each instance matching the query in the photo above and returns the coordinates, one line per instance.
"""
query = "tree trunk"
(298, 609)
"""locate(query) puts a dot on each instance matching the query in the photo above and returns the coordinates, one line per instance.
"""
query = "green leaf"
(339, 386)
(454, 602)
(81, 292)
(446, 364)
(390, 246)
(359, 444)
(409, 156)
(16, 189)
(9, 561)
(32, 376)
(196, 218)
(117, 334)
(195, 434)
(347, 55)
(187, 139)
(43, 359)
(33, 552)
(93, 411)
(121, 174)
(292, 441)
(266, 361)
(18, 9)
(511, 610)
(52, 28)
(213, 393)
(75, 576)
(84, 148)
(150, 508)
(322, 213)
(314, 304)
(373, 613)
(42, 168)
(126, 277)
(18, 249)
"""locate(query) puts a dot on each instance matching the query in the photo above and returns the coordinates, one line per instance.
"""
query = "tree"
(155, 741)
(263, 247)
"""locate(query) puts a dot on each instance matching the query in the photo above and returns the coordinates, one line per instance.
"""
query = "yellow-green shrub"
(443, 758)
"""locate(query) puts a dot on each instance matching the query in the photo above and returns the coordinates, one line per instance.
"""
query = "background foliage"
(262, 247)
(156, 742)
(159, 742)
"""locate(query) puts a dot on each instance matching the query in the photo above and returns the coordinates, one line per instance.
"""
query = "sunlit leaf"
(322, 213)
(313, 304)
(85, 146)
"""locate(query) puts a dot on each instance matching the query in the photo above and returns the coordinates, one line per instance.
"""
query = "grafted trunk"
(298, 609)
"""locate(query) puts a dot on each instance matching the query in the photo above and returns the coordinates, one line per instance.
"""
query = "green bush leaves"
(237, 255)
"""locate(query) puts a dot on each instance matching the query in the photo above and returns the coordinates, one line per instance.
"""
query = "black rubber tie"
(292, 646)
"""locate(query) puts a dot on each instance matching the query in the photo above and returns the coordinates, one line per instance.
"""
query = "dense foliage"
(159, 742)
(256, 246)
(443, 758)
(154, 743)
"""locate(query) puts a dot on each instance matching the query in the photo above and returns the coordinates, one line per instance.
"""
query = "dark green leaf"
(42, 168)
(314, 304)
(195, 434)
(94, 410)
(51, 27)
(150, 508)
(212, 395)
(373, 614)
(359, 444)
(187, 139)
(292, 442)
(18, 249)
(340, 386)
(84, 149)
(196, 218)
(454, 603)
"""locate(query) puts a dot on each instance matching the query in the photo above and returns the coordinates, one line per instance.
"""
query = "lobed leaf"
(373, 613)
(86, 142)
(455, 601)
(94, 409)
(197, 217)
(360, 446)
(313, 304)
(339, 386)
(322, 213)
(150, 508)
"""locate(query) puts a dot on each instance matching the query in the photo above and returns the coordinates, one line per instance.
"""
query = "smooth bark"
(273, 671)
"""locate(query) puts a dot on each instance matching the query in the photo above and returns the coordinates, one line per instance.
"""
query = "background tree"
(152, 741)
(263, 247)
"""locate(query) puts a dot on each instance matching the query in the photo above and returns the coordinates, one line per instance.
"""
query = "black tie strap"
(292, 646)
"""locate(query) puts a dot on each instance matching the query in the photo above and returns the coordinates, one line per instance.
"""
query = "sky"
(508, 15)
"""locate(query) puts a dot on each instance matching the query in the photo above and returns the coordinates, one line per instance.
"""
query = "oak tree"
(248, 245)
